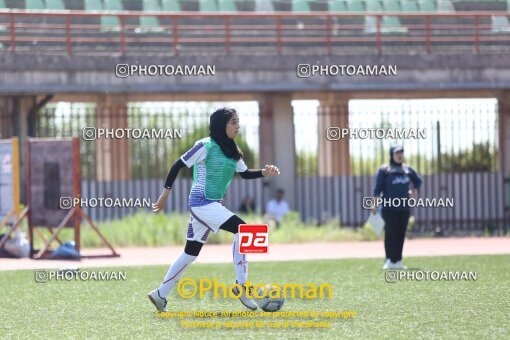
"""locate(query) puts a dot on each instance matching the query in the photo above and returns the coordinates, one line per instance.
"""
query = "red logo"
(253, 238)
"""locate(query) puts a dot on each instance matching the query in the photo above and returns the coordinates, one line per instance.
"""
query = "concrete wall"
(22, 74)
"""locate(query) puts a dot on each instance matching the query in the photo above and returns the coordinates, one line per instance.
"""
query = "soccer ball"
(270, 300)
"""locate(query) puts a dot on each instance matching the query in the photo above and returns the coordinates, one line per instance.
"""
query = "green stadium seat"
(374, 6)
(93, 5)
(208, 6)
(55, 5)
(111, 23)
(409, 6)
(170, 6)
(445, 6)
(392, 25)
(337, 6)
(34, 4)
(392, 6)
(371, 21)
(150, 24)
(2, 27)
(355, 6)
(227, 6)
(151, 6)
(428, 5)
(389, 24)
(113, 5)
(300, 6)
(264, 6)
(108, 23)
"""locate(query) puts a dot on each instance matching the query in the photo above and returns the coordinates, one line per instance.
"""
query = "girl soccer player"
(215, 159)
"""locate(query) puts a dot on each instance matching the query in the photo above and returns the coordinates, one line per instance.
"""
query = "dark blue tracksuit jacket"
(393, 182)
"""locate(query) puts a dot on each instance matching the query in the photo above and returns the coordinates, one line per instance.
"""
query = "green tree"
(481, 157)
(306, 163)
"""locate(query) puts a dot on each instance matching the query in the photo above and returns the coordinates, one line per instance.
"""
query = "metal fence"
(137, 167)
(6, 124)
(459, 158)
(134, 32)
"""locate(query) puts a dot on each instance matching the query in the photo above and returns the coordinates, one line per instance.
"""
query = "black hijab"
(217, 126)
(394, 149)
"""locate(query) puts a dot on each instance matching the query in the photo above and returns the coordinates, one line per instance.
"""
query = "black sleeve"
(174, 171)
(251, 174)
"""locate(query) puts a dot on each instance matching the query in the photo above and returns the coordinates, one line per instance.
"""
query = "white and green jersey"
(212, 171)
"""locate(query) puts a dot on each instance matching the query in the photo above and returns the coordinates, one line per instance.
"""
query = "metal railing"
(130, 32)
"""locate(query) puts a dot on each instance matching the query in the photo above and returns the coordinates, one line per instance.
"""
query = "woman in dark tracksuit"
(393, 181)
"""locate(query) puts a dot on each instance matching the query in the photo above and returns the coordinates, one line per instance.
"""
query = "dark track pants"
(395, 225)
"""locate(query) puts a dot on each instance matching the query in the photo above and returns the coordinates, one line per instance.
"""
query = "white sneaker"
(394, 265)
(247, 302)
(387, 264)
(157, 300)
(400, 265)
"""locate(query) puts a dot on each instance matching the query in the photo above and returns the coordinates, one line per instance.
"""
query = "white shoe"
(247, 302)
(400, 265)
(387, 264)
(157, 300)
(394, 265)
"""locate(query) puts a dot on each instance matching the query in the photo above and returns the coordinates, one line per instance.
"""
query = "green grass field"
(423, 309)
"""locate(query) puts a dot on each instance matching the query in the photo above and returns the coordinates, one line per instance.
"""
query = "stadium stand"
(348, 28)
(297, 6)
